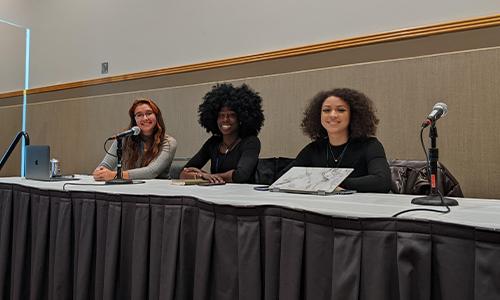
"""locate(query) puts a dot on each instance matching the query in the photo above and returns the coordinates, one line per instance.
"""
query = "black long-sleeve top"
(243, 158)
(367, 157)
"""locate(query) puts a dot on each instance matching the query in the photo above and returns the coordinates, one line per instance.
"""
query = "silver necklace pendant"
(338, 159)
(335, 159)
(230, 146)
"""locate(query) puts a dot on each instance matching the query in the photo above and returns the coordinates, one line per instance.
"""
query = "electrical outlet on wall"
(104, 67)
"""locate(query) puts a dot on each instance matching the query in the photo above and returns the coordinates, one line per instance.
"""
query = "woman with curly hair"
(342, 124)
(145, 156)
(234, 117)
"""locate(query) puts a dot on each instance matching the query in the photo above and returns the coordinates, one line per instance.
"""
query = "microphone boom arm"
(13, 145)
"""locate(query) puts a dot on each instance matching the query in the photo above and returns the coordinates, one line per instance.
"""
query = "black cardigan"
(367, 157)
(243, 158)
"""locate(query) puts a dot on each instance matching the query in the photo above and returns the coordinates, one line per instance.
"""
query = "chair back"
(268, 169)
(411, 177)
(176, 167)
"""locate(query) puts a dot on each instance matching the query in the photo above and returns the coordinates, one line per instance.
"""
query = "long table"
(159, 241)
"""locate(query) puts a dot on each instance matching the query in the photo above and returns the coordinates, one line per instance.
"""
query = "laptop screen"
(311, 180)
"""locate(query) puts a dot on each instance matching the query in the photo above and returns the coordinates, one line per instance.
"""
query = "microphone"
(132, 131)
(439, 110)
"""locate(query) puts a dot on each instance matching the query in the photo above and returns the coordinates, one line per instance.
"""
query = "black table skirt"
(84, 245)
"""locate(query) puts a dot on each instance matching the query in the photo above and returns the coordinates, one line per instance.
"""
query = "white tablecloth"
(483, 213)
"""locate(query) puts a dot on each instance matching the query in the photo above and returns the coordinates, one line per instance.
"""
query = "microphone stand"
(434, 198)
(13, 145)
(119, 173)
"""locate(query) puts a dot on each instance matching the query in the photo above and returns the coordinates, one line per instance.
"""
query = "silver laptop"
(38, 164)
(308, 180)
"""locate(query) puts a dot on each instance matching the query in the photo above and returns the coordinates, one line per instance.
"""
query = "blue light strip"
(25, 102)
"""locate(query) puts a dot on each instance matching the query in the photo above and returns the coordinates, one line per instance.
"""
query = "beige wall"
(10, 124)
(12, 57)
(404, 91)
(70, 39)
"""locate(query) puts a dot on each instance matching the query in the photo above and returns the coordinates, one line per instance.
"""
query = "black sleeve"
(303, 159)
(250, 150)
(202, 157)
(378, 179)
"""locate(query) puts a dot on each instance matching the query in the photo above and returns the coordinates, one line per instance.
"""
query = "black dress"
(367, 157)
(243, 158)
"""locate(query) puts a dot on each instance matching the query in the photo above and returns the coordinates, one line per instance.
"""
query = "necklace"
(230, 146)
(337, 159)
(219, 159)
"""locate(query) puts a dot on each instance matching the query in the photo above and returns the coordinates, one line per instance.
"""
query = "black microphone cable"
(71, 183)
(106, 150)
(95, 184)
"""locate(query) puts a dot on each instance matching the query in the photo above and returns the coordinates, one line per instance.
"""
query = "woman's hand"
(103, 174)
(190, 173)
(213, 178)
(192, 170)
(195, 173)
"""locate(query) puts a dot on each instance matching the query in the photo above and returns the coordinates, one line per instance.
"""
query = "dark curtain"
(83, 245)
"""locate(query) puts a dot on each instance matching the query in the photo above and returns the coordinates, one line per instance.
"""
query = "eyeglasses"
(141, 115)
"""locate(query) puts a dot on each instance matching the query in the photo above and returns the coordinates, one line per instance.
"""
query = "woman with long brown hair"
(147, 155)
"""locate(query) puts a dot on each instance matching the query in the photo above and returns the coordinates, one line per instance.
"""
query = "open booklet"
(189, 181)
(308, 180)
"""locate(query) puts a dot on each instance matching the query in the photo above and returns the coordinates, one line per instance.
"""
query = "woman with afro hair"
(342, 124)
(234, 117)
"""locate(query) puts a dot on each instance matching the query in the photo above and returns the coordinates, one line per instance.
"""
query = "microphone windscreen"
(136, 130)
(443, 107)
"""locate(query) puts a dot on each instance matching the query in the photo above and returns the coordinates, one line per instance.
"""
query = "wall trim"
(402, 34)
(11, 94)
